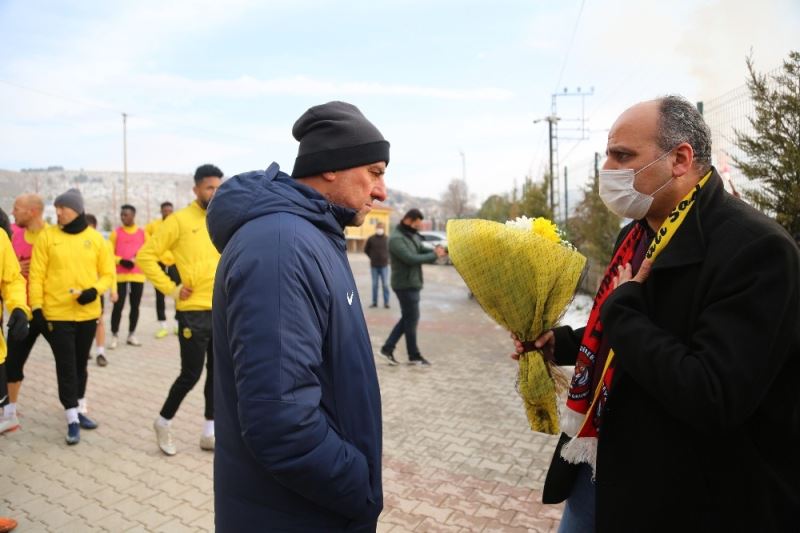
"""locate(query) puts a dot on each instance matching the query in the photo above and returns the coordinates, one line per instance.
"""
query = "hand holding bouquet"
(524, 275)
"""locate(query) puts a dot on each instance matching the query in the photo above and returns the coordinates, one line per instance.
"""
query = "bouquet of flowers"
(524, 274)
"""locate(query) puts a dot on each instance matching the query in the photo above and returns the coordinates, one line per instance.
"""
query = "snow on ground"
(578, 311)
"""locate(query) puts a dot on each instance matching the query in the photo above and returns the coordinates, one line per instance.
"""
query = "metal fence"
(725, 115)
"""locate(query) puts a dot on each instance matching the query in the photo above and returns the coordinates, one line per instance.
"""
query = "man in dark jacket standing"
(298, 407)
(377, 249)
(408, 255)
(684, 400)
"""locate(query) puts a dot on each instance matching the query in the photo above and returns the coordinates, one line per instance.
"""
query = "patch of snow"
(577, 313)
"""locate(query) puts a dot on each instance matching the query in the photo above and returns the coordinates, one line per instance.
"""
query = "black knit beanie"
(336, 136)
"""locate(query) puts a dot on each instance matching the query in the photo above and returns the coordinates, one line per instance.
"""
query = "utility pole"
(125, 154)
(566, 197)
(147, 200)
(597, 171)
(463, 167)
(552, 121)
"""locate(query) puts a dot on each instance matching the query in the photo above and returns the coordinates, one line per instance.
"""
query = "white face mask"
(621, 197)
(379, 231)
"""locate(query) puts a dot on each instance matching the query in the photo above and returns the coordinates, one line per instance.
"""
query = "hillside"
(103, 192)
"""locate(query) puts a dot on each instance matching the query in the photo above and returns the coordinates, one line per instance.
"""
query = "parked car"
(431, 239)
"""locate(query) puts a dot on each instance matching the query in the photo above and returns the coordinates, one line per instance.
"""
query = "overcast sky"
(223, 82)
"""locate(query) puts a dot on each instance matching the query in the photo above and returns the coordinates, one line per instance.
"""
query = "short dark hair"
(206, 171)
(129, 207)
(166, 204)
(680, 122)
(91, 219)
(5, 223)
(413, 214)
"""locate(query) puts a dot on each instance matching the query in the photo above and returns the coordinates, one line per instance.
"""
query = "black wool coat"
(702, 426)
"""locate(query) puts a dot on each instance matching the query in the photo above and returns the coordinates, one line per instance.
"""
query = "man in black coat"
(377, 249)
(698, 426)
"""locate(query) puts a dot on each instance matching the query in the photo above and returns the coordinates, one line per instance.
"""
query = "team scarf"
(588, 392)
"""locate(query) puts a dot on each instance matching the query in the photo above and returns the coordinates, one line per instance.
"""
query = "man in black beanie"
(74, 263)
(298, 404)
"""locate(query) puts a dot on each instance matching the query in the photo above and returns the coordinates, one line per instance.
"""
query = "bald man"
(28, 225)
(683, 410)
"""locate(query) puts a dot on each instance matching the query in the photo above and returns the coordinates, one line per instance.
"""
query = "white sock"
(10, 409)
(163, 422)
(163, 324)
(208, 428)
(101, 350)
(82, 406)
(72, 415)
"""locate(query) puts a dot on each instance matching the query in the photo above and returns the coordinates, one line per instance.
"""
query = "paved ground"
(457, 452)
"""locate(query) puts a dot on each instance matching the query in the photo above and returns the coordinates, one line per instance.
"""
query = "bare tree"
(455, 200)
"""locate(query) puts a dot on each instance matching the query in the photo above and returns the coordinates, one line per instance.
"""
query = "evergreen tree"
(773, 151)
(496, 207)
(593, 229)
(533, 202)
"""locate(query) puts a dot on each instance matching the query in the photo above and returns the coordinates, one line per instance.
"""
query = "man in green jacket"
(407, 256)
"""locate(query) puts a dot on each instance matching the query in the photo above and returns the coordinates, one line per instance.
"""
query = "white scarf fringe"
(570, 421)
(577, 450)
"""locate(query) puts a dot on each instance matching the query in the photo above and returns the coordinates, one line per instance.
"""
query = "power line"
(569, 48)
(62, 97)
(174, 123)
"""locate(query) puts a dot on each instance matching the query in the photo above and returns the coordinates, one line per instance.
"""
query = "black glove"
(87, 296)
(38, 319)
(127, 263)
(17, 325)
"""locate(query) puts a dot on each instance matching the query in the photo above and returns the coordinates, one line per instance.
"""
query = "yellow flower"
(545, 228)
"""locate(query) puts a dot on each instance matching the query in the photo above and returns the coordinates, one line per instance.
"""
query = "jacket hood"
(247, 196)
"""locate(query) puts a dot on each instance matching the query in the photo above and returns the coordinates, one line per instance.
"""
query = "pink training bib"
(128, 245)
(22, 248)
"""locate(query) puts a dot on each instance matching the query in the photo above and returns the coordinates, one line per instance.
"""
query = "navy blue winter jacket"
(298, 410)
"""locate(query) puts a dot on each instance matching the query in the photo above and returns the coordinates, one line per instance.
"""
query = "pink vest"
(128, 245)
(22, 248)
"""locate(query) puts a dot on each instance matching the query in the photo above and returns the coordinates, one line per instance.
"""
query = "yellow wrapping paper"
(524, 280)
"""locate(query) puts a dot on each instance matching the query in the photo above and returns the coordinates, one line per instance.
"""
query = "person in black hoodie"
(377, 249)
(298, 409)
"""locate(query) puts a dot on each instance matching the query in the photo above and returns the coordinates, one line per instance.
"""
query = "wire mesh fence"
(725, 115)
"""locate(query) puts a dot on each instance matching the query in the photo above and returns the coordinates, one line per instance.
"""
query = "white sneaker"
(207, 442)
(164, 439)
(133, 341)
(113, 344)
(10, 423)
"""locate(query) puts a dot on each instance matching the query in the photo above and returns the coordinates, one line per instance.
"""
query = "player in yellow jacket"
(71, 266)
(167, 264)
(28, 209)
(12, 288)
(185, 235)
(126, 241)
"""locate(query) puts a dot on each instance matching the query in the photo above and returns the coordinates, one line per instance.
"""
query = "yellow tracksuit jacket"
(132, 276)
(12, 285)
(152, 227)
(63, 261)
(183, 233)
